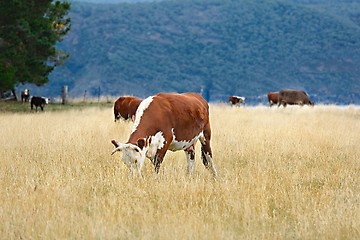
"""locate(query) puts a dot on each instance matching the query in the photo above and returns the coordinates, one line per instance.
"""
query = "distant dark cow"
(236, 100)
(294, 97)
(125, 108)
(168, 121)
(38, 102)
(25, 95)
(273, 98)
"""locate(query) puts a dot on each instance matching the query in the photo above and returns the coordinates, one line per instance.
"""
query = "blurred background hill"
(217, 47)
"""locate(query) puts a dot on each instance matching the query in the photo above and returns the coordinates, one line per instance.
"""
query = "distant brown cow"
(294, 97)
(273, 98)
(236, 100)
(125, 107)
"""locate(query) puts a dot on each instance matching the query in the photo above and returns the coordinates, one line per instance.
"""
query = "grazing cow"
(168, 121)
(293, 97)
(125, 108)
(236, 100)
(273, 98)
(25, 95)
(38, 102)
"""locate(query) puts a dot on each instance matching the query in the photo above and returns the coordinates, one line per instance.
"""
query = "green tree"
(29, 31)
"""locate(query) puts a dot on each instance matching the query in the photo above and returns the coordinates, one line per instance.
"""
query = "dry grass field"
(289, 173)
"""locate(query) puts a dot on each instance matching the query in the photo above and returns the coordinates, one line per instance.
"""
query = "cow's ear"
(141, 143)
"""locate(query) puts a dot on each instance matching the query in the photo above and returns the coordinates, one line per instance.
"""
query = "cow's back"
(133, 105)
(291, 94)
(126, 106)
(184, 114)
(293, 97)
(192, 108)
(37, 101)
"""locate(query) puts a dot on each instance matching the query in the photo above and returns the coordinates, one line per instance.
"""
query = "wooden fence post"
(84, 96)
(64, 94)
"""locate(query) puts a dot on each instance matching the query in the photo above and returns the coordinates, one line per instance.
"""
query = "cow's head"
(134, 154)
(117, 115)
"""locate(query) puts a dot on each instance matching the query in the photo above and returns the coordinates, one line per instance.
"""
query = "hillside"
(221, 47)
(115, 1)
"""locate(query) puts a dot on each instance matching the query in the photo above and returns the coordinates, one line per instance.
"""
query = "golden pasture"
(289, 173)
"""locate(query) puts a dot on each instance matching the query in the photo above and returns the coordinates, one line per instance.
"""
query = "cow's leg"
(206, 153)
(42, 107)
(190, 156)
(159, 157)
(160, 153)
(283, 103)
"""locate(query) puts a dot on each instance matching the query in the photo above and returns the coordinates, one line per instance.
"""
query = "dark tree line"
(29, 30)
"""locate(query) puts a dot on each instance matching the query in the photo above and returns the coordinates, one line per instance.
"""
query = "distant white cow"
(236, 100)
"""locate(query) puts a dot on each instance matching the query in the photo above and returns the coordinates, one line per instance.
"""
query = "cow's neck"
(141, 133)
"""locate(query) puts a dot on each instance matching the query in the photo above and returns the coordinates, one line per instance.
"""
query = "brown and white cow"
(25, 95)
(236, 100)
(294, 97)
(273, 98)
(168, 121)
(125, 107)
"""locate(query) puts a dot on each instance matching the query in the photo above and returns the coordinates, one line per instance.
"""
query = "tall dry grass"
(289, 173)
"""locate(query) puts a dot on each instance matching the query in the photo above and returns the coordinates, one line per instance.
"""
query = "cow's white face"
(133, 156)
